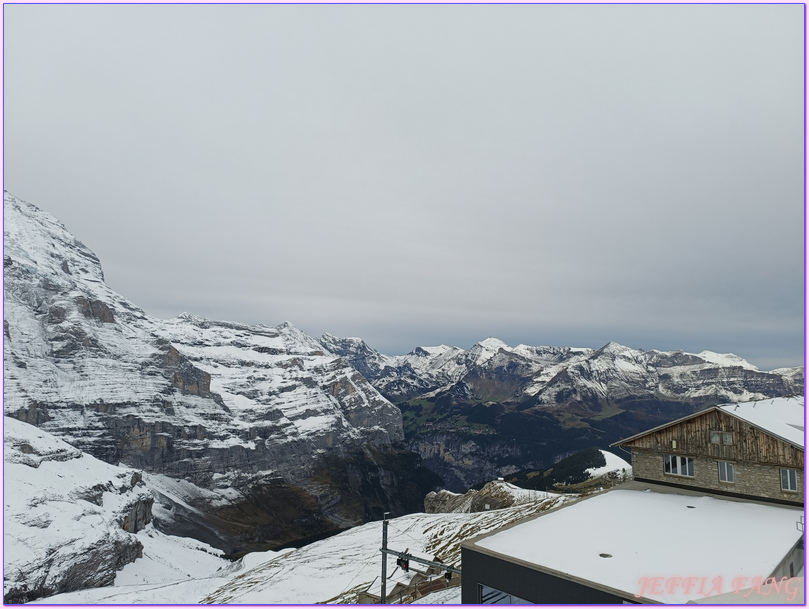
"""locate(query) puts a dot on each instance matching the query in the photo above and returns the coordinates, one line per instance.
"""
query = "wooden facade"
(723, 453)
(692, 437)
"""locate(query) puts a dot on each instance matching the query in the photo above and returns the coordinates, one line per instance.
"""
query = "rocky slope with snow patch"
(69, 518)
(495, 495)
(293, 438)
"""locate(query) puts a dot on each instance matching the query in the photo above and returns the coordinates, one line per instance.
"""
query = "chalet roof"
(782, 418)
(604, 542)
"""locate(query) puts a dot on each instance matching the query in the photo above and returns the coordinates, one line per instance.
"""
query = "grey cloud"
(407, 173)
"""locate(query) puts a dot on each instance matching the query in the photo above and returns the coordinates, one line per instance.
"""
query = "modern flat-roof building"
(634, 546)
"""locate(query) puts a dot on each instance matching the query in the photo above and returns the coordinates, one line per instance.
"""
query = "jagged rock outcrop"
(249, 415)
(95, 309)
(494, 495)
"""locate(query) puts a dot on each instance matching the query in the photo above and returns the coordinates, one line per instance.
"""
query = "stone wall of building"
(749, 478)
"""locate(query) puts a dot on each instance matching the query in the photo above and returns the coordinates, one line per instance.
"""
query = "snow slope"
(450, 596)
(333, 570)
(614, 464)
(495, 495)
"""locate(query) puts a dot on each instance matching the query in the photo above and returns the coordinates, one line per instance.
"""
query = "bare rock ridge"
(243, 425)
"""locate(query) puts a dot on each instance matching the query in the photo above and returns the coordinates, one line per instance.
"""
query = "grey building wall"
(530, 584)
(792, 563)
(751, 479)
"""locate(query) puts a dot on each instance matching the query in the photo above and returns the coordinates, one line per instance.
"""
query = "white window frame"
(726, 472)
(791, 478)
(677, 465)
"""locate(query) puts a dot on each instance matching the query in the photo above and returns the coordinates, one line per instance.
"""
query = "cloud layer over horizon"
(546, 174)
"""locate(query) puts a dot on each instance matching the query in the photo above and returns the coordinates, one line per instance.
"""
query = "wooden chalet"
(752, 450)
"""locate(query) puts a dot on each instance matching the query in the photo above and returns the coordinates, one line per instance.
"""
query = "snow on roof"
(788, 592)
(782, 417)
(621, 537)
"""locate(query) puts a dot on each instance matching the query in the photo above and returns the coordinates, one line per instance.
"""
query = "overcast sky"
(415, 175)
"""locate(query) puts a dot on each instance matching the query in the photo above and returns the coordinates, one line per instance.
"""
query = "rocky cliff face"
(254, 415)
(400, 377)
(494, 409)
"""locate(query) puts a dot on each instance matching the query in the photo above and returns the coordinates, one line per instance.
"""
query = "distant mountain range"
(494, 409)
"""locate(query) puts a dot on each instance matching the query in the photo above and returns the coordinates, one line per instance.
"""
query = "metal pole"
(429, 563)
(383, 598)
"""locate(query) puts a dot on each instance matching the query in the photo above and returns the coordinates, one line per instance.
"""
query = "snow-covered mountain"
(262, 421)
(79, 531)
(560, 375)
(494, 409)
(400, 376)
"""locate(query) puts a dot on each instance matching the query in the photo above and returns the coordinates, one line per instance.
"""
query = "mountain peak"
(613, 348)
(493, 343)
(486, 349)
(33, 236)
(432, 351)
